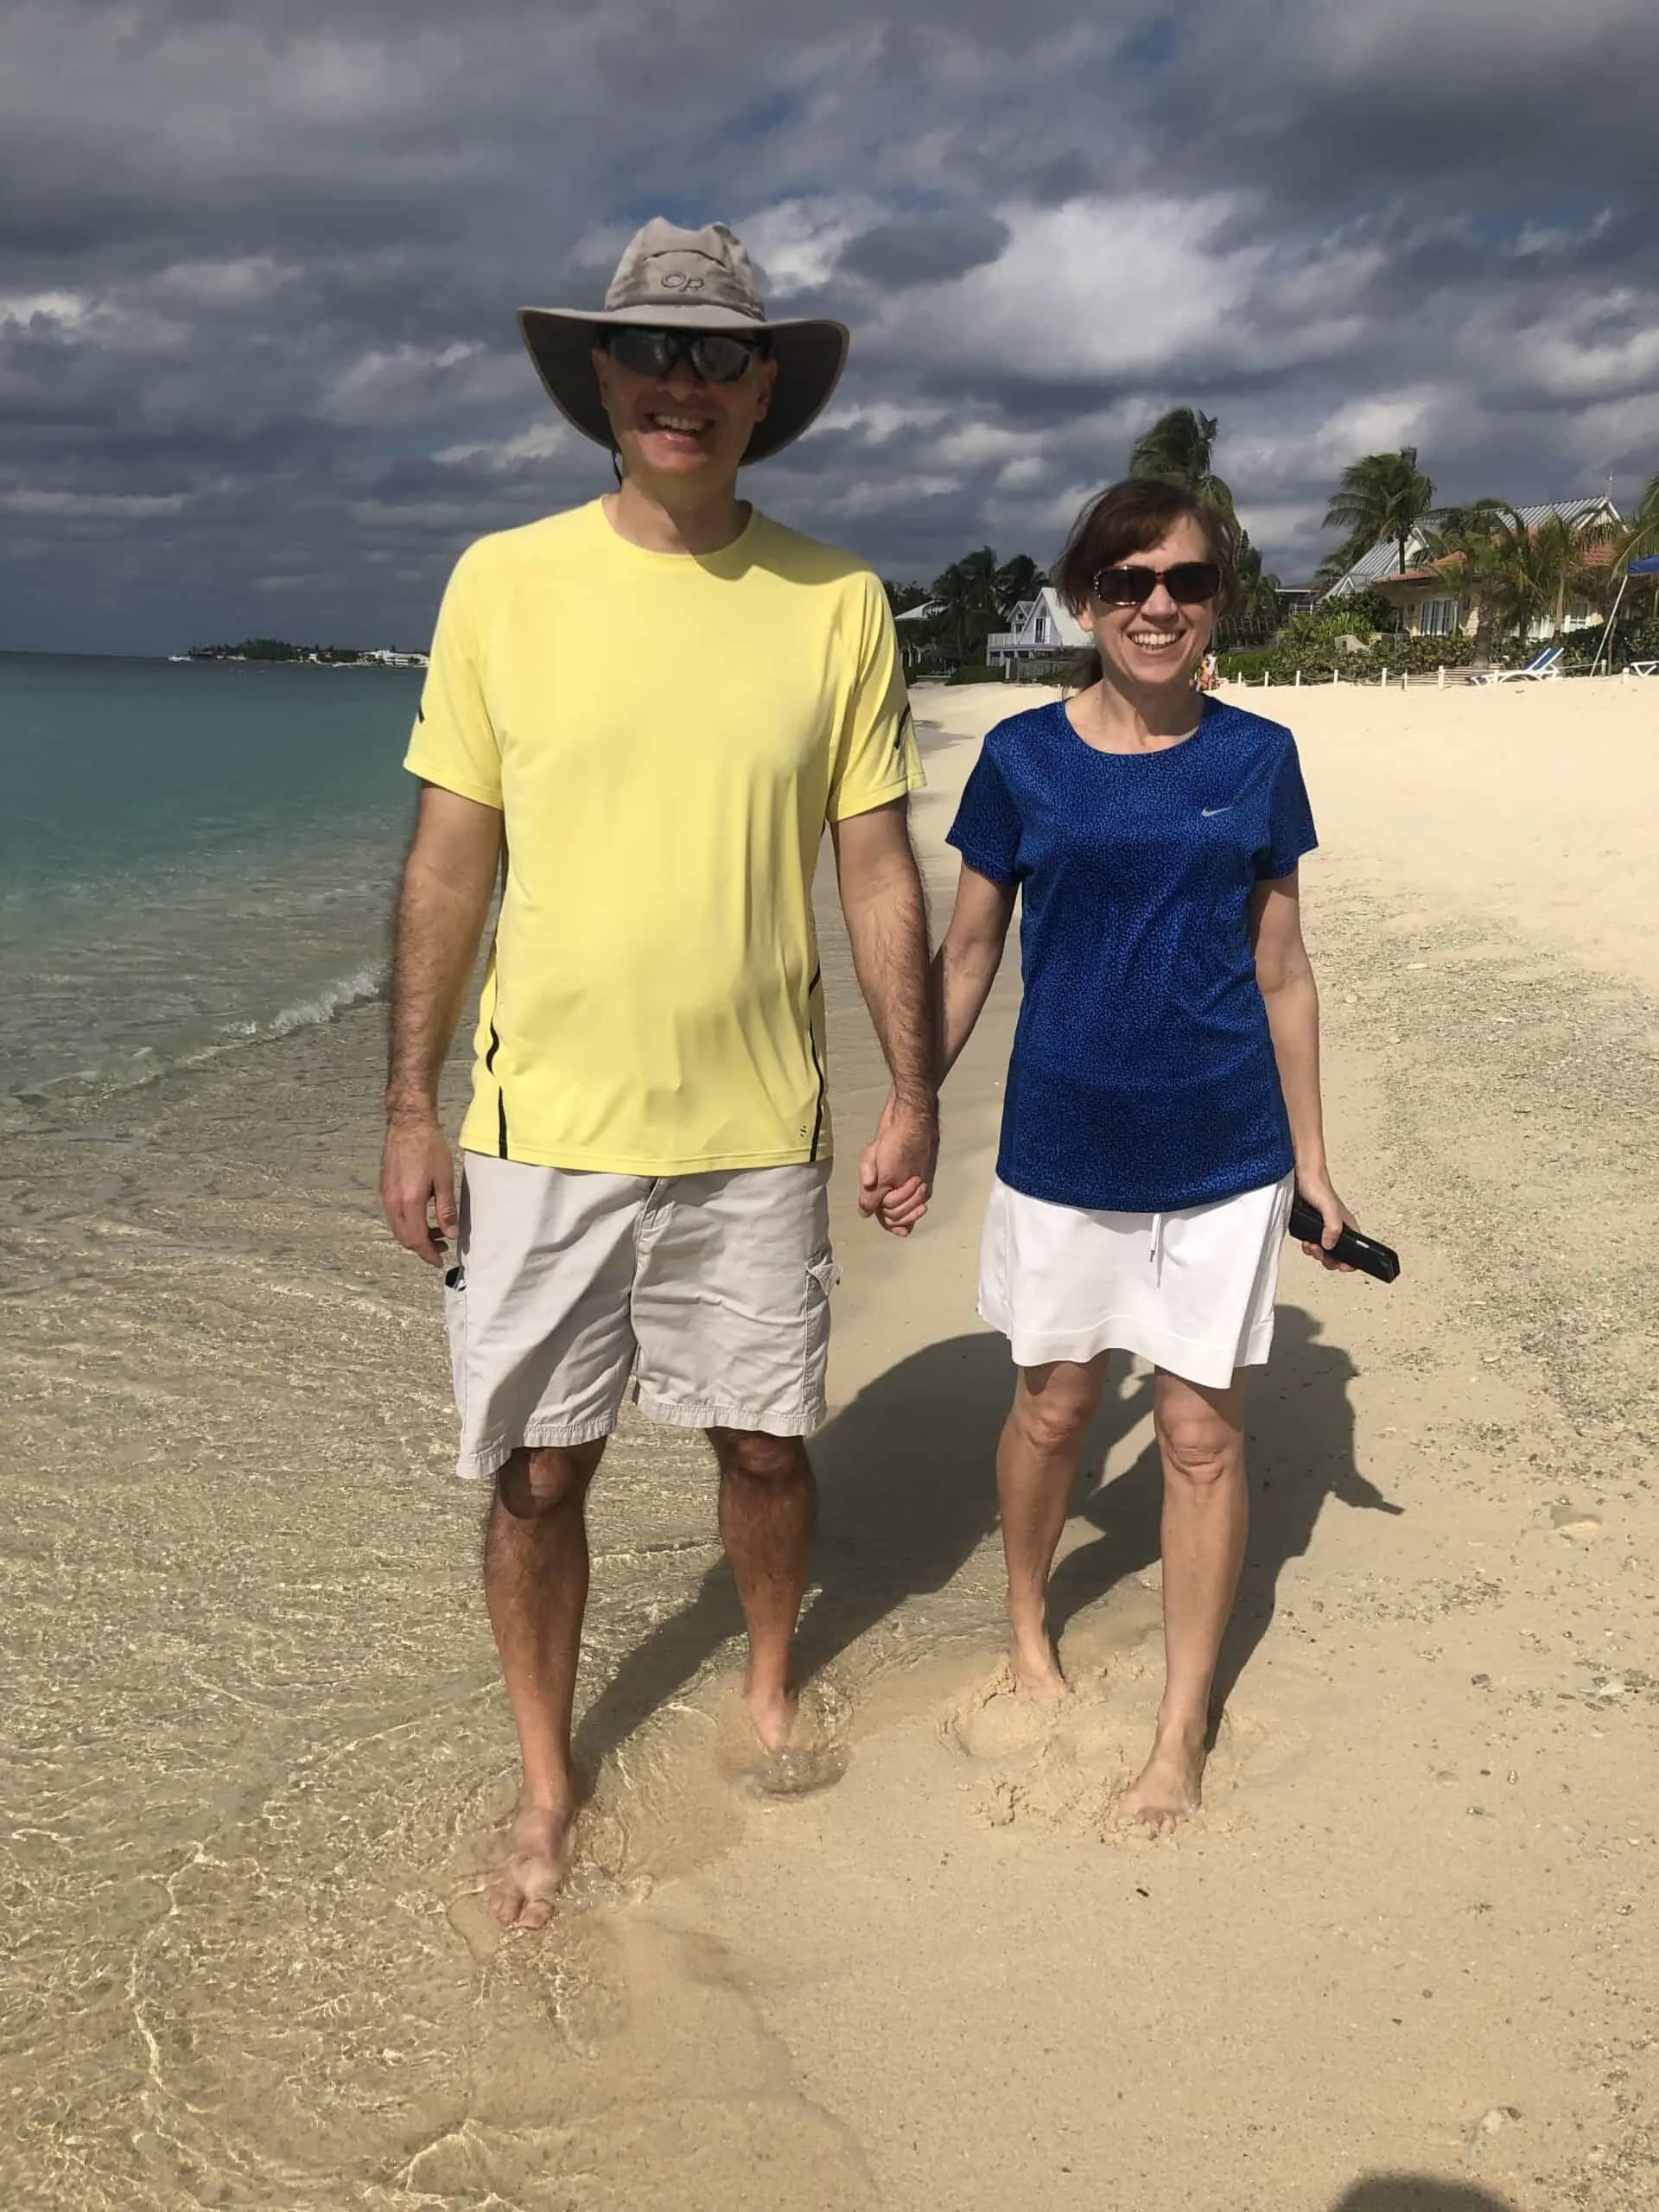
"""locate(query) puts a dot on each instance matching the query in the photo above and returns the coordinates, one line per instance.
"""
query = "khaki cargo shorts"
(711, 1292)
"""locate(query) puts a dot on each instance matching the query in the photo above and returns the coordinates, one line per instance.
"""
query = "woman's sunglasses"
(710, 355)
(1187, 582)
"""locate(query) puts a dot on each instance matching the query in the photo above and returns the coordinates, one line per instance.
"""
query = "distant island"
(314, 656)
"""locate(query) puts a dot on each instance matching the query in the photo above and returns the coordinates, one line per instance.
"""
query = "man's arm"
(886, 922)
(441, 908)
(964, 968)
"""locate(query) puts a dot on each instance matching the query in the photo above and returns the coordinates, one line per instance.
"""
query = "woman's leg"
(1206, 1517)
(1036, 1466)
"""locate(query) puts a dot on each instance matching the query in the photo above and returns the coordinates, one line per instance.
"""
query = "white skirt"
(1193, 1292)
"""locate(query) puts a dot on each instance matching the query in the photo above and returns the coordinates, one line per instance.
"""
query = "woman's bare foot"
(1170, 1787)
(1035, 1667)
(525, 1886)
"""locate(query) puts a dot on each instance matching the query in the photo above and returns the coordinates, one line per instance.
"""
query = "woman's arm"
(965, 965)
(1285, 974)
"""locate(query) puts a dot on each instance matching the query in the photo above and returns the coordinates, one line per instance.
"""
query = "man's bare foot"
(772, 1714)
(799, 1750)
(1035, 1667)
(1170, 1787)
(525, 1886)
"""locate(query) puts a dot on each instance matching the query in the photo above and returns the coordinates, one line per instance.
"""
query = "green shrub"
(1246, 664)
(1635, 640)
(975, 672)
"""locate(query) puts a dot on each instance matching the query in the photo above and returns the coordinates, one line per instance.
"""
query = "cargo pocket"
(454, 1317)
(822, 1276)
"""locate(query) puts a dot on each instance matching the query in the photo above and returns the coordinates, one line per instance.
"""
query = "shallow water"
(189, 856)
(255, 1741)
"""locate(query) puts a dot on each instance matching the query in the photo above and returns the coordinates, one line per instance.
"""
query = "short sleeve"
(1290, 820)
(876, 758)
(453, 743)
(986, 831)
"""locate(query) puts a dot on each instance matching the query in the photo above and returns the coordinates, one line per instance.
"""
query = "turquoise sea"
(192, 858)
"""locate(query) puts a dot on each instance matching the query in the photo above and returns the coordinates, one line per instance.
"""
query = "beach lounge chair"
(1644, 668)
(1546, 662)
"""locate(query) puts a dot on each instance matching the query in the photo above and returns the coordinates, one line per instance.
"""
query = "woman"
(1163, 1098)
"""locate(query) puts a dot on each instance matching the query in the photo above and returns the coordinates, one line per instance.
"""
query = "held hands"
(895, 1171)
(1319, 1191)
(418, 1183)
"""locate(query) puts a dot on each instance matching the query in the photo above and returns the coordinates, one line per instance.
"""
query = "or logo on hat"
(676, 279)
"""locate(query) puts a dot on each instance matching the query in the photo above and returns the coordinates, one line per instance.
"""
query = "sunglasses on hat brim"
(712, 356)
(1188, 583)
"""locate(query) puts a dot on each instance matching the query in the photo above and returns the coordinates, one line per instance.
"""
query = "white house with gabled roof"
(1039, 628)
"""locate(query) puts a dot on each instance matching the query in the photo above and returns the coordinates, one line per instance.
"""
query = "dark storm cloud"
(925, 249)
(257, 268)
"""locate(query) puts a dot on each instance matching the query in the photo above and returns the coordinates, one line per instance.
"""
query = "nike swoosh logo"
(1208, 810)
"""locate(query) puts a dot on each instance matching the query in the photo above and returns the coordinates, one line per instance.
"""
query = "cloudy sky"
(258, 370)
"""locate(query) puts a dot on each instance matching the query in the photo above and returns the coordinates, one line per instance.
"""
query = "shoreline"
(258, 1720)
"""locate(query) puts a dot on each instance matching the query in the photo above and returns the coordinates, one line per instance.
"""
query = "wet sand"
(1402, 1959)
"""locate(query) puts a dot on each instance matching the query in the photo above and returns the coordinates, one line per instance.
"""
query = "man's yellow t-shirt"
(666, 735)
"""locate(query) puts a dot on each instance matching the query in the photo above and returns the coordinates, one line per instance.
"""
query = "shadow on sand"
(1301, 1451)
(1418, 2193)
(907, 1476)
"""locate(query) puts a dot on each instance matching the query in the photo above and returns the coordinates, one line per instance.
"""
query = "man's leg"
(768, 1508)
(542, 1345)
(535, 1585)
(1036, 1466)
(731, 1310)
(1205, 1521)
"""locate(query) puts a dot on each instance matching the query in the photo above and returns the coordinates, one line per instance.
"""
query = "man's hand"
(417, 1186)
(1316, 1186)
(895, 1172)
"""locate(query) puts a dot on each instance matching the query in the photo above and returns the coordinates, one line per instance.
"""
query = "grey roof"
(1383, 561)
(925, 612)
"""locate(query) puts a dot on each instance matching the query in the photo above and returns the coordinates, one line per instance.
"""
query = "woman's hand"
(1321, 1191)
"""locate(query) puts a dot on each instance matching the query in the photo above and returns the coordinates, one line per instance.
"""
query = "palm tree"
(1381, 501)
(1179, 447)
(1017, 581)
(1463, 543)
(965, 594)
(1641, 541)
(901, 597)
(1517, 577)
(1255, 610)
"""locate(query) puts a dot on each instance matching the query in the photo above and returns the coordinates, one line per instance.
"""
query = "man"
(650, 705)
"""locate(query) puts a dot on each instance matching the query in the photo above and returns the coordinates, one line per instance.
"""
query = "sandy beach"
(1402, 1962)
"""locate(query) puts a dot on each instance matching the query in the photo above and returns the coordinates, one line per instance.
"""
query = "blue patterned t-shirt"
(1144, 1077)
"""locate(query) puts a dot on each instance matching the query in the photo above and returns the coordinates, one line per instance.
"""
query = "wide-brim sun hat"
(674, 279)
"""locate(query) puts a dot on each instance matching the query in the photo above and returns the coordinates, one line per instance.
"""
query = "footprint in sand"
(1066, 1765)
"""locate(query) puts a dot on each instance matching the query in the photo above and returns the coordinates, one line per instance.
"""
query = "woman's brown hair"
(1131, 517)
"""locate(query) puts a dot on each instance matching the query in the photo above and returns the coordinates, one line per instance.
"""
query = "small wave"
(361, 988)
(147, 1063)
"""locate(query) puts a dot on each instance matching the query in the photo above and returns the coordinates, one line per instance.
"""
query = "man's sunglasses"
(713, 356)
(1187, 582)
